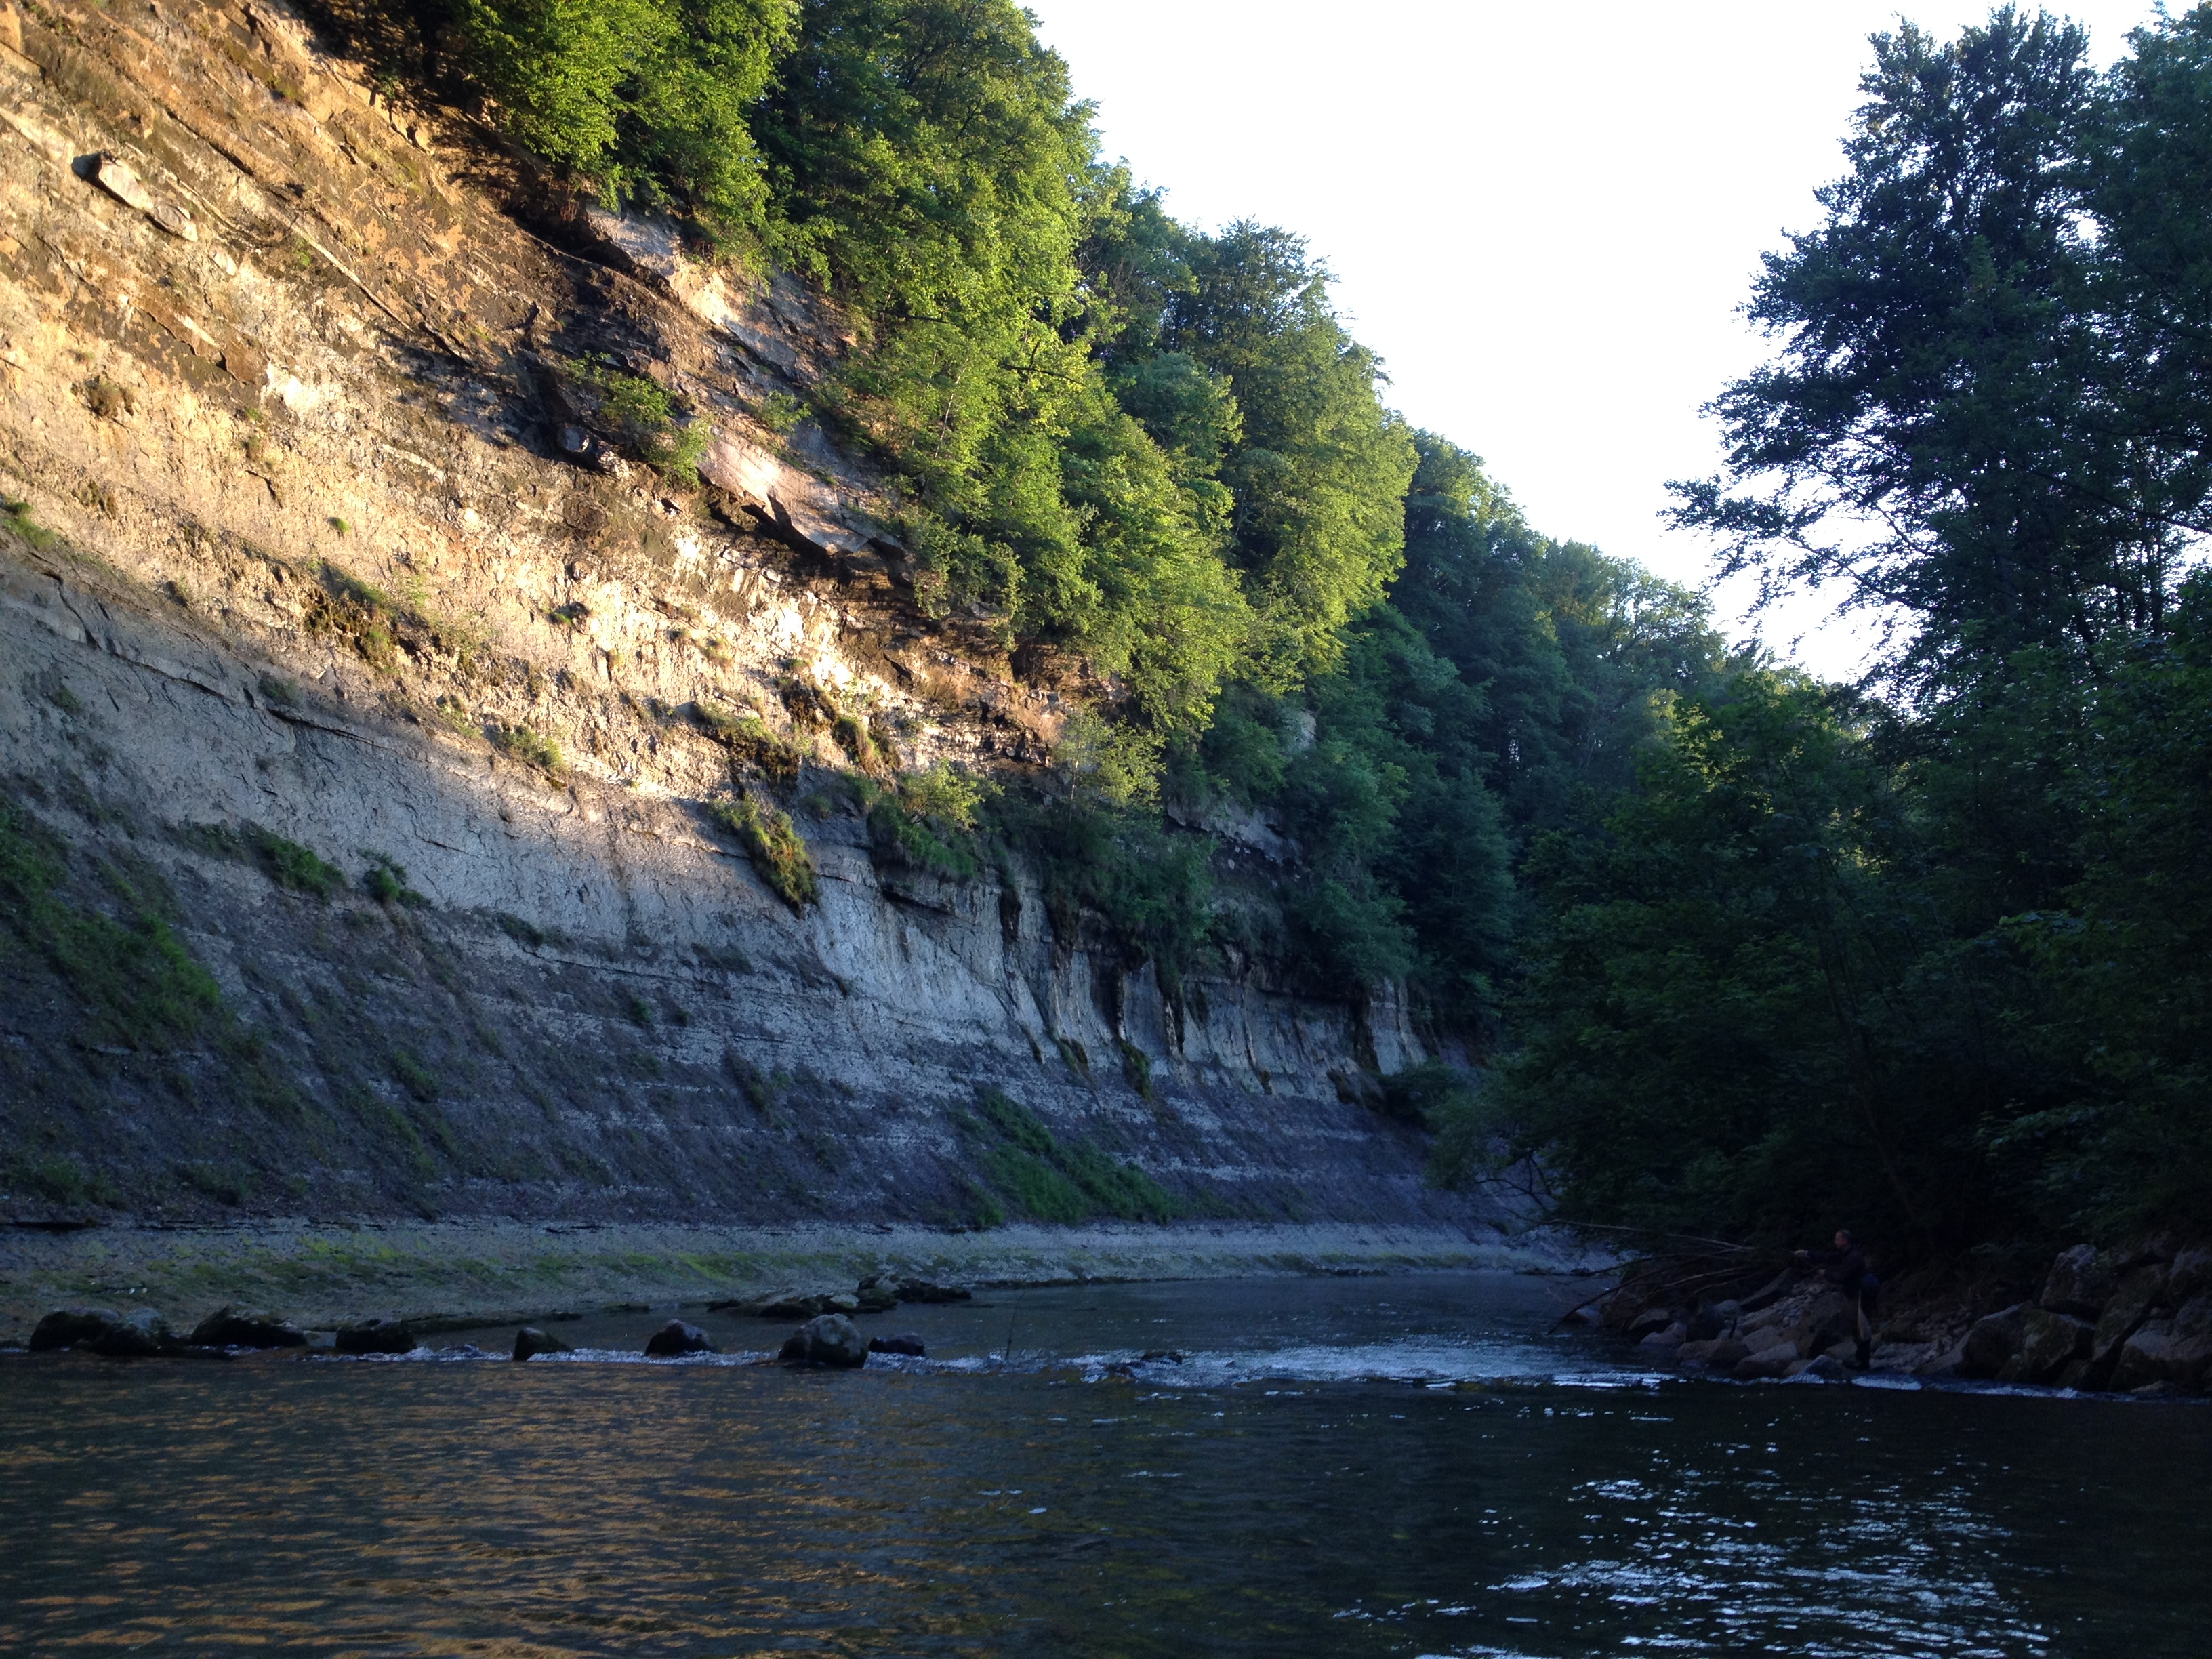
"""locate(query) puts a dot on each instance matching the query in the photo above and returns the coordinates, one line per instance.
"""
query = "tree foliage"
(1747, 950)
(1932, 965)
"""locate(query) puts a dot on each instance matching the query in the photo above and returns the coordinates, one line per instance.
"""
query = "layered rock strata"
(365, 699)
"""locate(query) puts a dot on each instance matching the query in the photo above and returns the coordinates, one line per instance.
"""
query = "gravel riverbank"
(446, 1274)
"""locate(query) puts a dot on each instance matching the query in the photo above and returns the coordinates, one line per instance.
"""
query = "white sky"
(1543, 215)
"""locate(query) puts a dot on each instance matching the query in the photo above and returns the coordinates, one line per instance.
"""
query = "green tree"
(1933, 434)
(1743, 1012)
(1321, 471)
(2127, 1032)
(649, 99)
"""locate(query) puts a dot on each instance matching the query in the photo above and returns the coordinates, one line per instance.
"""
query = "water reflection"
(558, 1508)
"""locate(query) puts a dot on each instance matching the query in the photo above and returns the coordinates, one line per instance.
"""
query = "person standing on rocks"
(1844, 1266)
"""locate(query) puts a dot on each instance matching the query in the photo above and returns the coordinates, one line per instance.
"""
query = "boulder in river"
(139, 1334)
(2176, 1350)
(905, 1343)
(228, 1327)
(1771, 1361)
(376, 1336)
(676, 1339)
(1829, 1318)
(1992, 1341)
(68, 1328)
(1710, 1321)
(1720, 1353)
(530, 1342)
(2048, 1341)
(791, 1304)
(1650, 1323)
(830, 1340)
(915, 1289)
(2139, 1289)
(2191, 1274)
(1666, 1342)
(1821, 1368)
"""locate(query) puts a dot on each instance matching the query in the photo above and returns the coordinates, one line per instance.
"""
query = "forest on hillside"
(1723, 949)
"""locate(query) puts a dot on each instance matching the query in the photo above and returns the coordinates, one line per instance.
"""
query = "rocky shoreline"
(442, 1276)
(827, 1337)
(2135, 1319)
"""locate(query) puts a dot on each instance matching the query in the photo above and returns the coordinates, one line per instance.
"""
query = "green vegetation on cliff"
(1749, 949)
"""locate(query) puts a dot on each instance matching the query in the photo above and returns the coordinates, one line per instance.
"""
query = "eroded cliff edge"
(324, 549)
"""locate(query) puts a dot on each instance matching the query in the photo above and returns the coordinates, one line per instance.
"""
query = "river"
(1401, 1466)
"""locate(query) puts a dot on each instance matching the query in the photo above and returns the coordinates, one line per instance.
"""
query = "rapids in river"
(1400, 1466)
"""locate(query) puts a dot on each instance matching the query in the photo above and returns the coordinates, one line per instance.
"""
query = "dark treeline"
(1732, 949)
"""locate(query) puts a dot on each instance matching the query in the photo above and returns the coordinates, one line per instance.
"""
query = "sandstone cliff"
(359, 691)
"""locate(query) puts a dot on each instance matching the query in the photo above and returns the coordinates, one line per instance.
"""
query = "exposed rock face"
(325, 558)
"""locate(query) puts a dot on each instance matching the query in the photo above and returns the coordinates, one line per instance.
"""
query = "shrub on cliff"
(750, 741)
(773, 844)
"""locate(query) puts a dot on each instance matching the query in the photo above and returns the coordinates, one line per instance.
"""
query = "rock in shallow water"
(1993, 1341)
(2162, 1351)
(376, 1336)
(676, 1339)
(2048, 1341)
(915, 1289)
(1770, 1361)
(832, 1340)
(65, 1327)
(139, 1334)
(1824, 1367)
(1722, 1353)
(530, 1341)
(228, 1328)
(905, 1343)
(791, 1305)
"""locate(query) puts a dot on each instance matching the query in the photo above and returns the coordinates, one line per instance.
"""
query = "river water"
(1406, 1466)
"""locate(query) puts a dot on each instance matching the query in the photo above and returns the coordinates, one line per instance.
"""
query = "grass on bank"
(1032, 1174)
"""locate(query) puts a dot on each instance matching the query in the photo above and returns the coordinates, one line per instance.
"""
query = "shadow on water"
(1057, 1508)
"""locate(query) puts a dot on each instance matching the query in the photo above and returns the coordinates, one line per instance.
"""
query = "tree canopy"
(1930, 963)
